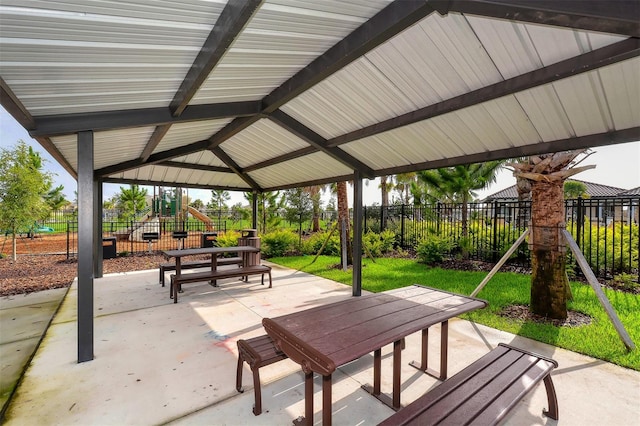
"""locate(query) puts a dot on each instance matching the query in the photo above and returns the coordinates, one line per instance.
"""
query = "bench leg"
(257, 408)
(239, 373)
(552, 399)
(175, 286)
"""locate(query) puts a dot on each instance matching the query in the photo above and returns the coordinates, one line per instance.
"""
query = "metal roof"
(263, 95)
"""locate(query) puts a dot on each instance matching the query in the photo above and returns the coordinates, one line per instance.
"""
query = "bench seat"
(194, 264)
(257, 352)
(484, 392)
(218, 274)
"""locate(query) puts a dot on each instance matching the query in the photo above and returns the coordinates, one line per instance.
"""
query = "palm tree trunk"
(384, 192)
(343, 217)
(548, 278)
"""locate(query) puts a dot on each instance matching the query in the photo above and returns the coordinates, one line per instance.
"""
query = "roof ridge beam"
(233, 18)
(192, 166)
(282, 158)
(579, 142)
(609, 16)
(294, 126)
(63, 124)
(611, 54)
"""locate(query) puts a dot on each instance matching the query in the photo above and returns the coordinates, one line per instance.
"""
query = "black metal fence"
(606, 230)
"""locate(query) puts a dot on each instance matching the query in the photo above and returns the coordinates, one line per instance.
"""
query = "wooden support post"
(501, 262)
(593, 281)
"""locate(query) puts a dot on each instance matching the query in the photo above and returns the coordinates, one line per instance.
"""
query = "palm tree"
(314, 192)
(460, 182)
(549, 283)
(343, 218)
(268, 205)
(403, 185)
(384, 193)
(219, 198)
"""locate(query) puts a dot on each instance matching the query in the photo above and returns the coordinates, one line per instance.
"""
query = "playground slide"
(208, 223)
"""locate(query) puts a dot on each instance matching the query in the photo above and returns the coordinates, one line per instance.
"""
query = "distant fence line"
(605, 229)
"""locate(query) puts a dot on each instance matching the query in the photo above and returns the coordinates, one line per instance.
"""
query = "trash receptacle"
(109, 248)
(249, 238)
(209, 239)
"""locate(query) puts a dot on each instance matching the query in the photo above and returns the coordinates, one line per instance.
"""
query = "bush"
(432, 249)
(379, 244)
(228, 239)
(277, 243)
(313, 244)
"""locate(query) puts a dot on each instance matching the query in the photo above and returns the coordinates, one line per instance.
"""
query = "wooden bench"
(218, 274)
(484, 392)
(164, 267)
(257, 352)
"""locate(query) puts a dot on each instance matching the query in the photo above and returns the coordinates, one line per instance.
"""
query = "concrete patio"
(160, 363)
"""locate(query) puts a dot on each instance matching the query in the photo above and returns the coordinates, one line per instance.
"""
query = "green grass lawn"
(599, 339)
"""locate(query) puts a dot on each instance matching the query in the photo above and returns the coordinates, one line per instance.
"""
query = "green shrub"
(277, 243)
(313, 243)
(432, 249)
(379, 244)
(626, 281)
(228, 239)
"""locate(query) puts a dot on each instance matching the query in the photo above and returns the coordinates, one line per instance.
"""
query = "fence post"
(579, 222)
(402, 226)
(364, 209)
(67, 240)
(131, 237)
(495, 232)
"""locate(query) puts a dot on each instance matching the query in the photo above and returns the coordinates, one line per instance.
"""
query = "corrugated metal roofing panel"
(115, 48)
(110, 147)
(622, 83)
(204, 158)
(286, 35)
(518, 48)
(542, 106)
(261, 141)
(308, 168)
(185, 133)
(583, 101)
(174, 176)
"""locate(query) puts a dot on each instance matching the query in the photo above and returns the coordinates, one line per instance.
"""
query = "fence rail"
(606, 230)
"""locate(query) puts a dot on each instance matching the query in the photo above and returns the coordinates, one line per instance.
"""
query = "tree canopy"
(23, 186)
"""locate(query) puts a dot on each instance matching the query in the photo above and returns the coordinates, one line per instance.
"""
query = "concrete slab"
(23, 321)
(157, 362)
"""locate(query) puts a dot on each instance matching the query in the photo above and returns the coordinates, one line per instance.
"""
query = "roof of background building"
(595, 190)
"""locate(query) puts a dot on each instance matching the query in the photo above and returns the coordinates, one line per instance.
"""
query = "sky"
(616, 165)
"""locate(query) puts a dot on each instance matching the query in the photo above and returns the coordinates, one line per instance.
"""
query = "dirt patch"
(522, 313)
(30, 273)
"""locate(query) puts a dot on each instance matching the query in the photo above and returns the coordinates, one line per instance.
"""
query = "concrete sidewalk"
(160, 363)
(24, 319)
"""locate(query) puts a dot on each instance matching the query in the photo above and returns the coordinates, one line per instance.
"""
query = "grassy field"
(598, 339)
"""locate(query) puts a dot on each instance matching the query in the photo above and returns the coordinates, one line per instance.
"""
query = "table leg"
(308, 401)
(178, 272)
(214, 267)
(377, 367)
(397, 363)
(326, 401)
(424, 365)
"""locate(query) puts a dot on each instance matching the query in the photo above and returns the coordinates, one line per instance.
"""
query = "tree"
(403, 186)
(459, 183)
(219, 198)
(197, 204)
(299, 207)
(23, 186)
(314, 193)
(55, 198)
(384, 197)
(574, 189)
(268, 205)
(343, 218)
(131, 201)
(549, 283)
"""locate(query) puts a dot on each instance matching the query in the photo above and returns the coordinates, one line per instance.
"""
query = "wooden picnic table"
(323, 338)
(213, 251)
